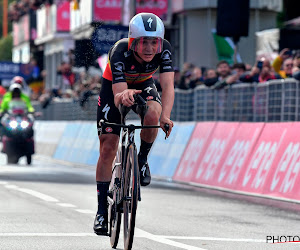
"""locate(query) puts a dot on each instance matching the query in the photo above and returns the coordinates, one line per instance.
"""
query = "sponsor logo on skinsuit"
(149, 98)
(108, 129)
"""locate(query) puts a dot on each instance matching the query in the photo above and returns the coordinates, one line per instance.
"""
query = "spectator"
(228, 78)
(86, 93)
(177, 76)
(209, 74)
(68, 77)
(185, 80)
(284, 61)
(296, 63)
(223, 71)
(261, 72)
(196, 78)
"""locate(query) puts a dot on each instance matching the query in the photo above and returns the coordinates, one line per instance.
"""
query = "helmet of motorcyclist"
(16, 90)
(143, 27)
(19, 80)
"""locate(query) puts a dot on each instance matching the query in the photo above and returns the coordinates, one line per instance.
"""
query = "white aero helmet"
(15, 86)
(146, 26)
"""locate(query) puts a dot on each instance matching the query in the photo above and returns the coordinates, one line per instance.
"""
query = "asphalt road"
(51, 205)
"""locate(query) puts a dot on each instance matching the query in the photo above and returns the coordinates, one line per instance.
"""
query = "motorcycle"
(17, 135)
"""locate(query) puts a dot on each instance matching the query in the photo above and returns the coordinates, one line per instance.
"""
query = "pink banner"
(107, 10)
(63, 17)
(285, 180)
(237, 154)
(218, 144)
(194, 151)
(260, 165)
(157, 7)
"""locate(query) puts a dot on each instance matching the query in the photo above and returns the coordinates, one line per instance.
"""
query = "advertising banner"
(106, 36)
(194, 151)
(9, 70)
(157, 7)
(63, 17)
(218, 144)
(285, 180)
(260, 166)
(107, 10)
(237, 154)
(165, 154)
(111, 10)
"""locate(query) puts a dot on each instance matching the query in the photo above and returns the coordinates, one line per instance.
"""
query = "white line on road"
(38, 194)
(32, 192)
(66, 205)
(11, 186)
(210, 238)
(47, 234)
(143, 234)
(85, 211)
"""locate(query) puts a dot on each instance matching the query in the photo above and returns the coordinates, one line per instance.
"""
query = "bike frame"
(125, 193)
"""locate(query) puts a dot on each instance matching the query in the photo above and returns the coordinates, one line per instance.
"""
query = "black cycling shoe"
(101, 224)
(145, 176)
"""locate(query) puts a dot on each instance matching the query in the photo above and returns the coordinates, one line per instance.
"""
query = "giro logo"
(260, 165)
(191, 157)
(287, 170)
(234, 162)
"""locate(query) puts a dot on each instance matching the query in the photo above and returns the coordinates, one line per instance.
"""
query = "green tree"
(6, 48)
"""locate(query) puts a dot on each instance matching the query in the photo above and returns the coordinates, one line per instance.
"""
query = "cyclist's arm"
(123, 95)
(167, 98)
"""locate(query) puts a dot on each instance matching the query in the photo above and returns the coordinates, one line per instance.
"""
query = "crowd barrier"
(250, 158)
(276, 100)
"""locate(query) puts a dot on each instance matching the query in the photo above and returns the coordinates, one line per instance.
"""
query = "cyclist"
(131, 63)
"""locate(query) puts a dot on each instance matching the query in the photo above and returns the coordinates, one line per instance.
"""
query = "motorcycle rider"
(20, 80)
(15, 92)
(15, 97)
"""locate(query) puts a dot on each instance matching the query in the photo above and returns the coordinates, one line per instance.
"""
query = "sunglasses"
(289, 65)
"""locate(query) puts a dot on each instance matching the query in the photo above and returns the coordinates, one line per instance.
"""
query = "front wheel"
(131, 187)
(115, 225)
(113, 201)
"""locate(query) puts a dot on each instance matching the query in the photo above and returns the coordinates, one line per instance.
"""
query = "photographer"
(260, 72)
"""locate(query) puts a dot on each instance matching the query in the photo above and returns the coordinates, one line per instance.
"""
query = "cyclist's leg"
(109, 140)
(148, 135)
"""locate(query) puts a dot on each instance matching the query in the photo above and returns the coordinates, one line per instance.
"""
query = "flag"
(225, 48)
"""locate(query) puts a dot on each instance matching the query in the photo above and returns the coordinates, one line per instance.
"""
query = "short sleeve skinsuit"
(123, 67)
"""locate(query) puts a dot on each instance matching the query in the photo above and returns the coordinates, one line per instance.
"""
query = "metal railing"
(276, 100)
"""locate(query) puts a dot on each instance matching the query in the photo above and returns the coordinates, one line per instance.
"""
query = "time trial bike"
(124, 190)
